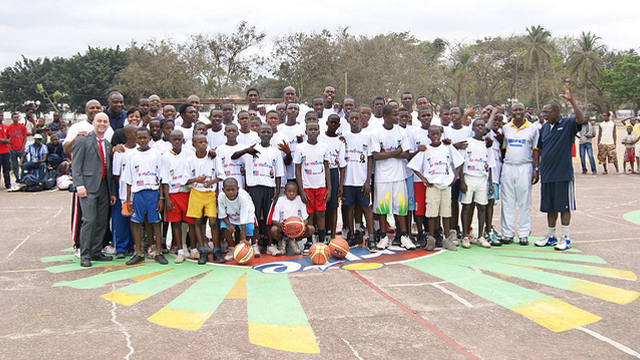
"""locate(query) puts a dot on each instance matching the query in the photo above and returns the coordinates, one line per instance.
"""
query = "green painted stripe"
(271, 300)
(60, 258)
(75, 266)
(67, 250)
(99, 280)
(209, 292)
(632, 216)
(164, 281)
(556, 255)
(573, 268)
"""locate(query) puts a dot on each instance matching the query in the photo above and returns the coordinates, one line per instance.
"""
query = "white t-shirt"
(201, 117)
(187, 133)
(357, 152)
(216, 139)
(203, 166)
(374, 121)
(519, 143)
(162, 146)
(335, 150)
(311, 159)
(228, 167)
(415, 122)
(176, 171)
(497, 156)
(286, 208)
(391, 169)
(457, 135)
(85, 126)
(417, 136)
(437, 164)
(143, 170)
(265, 167)
(478, 160)
(248, 139)
(239, 211)
(291, 133)
(120, 161)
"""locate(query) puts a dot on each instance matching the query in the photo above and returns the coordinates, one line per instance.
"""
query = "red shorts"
(419, 193)
(180, 204)
(629, 155)
(316, 200)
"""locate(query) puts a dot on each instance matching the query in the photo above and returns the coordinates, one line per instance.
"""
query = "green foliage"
(19, 83)
(623, 81)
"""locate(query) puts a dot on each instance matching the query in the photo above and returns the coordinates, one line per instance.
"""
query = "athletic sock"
(180, 252)
(321, 234)
(565, 231)
(551, 232)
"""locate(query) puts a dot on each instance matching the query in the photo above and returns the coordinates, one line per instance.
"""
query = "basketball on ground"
(319, 253)
(293, 227)
(339, 248)
(243, 253)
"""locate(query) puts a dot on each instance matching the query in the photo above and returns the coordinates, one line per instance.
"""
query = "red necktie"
(101, 157)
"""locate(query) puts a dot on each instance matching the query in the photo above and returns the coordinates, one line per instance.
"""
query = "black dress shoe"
(102, 257)
(85, 263)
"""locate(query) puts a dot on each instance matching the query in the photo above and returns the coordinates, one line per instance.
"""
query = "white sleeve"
(456, 158)
(341, 156)
(222, 213)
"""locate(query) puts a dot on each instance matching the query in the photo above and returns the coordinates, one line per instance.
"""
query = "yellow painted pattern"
(180, 319)
(555, 315)
(123, 298)
(297, 338)
(604, 292)
(148, 276)
(363, 266)
(239, 289)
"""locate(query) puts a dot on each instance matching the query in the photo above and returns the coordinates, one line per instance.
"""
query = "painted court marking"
(404, 308)
(615, 344)
(35, 232)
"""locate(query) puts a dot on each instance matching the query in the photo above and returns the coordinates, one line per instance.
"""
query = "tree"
(586, 61)
(19, 83)
(623, 81)
(537, 49)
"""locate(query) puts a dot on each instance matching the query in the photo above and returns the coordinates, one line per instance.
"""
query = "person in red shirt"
(17, 138)
(4, 152)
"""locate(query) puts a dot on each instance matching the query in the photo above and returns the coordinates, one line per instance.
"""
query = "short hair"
(241, 112)
(445, 107)
(424, 108)
(230, 181)
(256, 118)
(387, 109)
(142, 128)
(291, 183)
(311, 112)
(225, 103)
(316, 97)
(142, 98)
(271, 111)
(252, 89)
(379, 98)
(164, 122)
(231, 124)
(292, 103)
(184, 107)
(364, 106)
(333, 115)
(346, 97)
(353, 112)
(114, 92)
(406, 93)
(132, 110)
(14, 114)
(554, 106)
(402, 108)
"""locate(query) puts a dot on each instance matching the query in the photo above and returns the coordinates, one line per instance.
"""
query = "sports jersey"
(555, 150)
(228, 167)
(519, 143)
(417, 136)
(311, 159)
(203, 166)
(437, 164)
(187, 133)
(335, 151)
(143, 170)
(391, 169)
(120, 160)
(357, 152)
(216, 139)
(162, 146)
(291, 133)
(175, 170)
(239, 211)
(375, 121)
(264, 168)
(457, 135)
(478, 160)
(248, 139)
(286, 208)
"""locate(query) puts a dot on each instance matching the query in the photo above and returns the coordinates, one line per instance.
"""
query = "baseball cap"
(38, 136)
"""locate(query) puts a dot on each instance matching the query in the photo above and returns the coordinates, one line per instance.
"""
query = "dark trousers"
(95, 221)
(5, 163)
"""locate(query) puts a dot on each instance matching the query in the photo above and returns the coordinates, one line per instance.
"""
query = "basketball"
(293, 227)
(319, 253)
(339, 248)
(243, 253)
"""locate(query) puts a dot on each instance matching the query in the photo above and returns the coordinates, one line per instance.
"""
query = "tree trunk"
(537, 90)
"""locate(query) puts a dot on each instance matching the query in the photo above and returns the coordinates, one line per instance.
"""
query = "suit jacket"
(87, 167)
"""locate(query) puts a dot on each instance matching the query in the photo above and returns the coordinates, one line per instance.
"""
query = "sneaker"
(351, 240)
(465, 243)
(422, 240)
(358, 237)
(483, 242)
(179, 259)
(344, 232)
(161, 259)
(282, 246)
(164, 248)
(548, 241)
(217, 257)
(371, 244)
(224, 246)
(493, 239)
(151, 251)
(203, 258)
(407, 243)
(77, 253)
(135, 259)
(507, 240)
(396, 240)
(448, 245)
(121, 255)
(524, 241)
(473, 240)
(314, 238)
(431, 243)
(256, 250)
(273, 250)
(109, 250)
(293, 246)
(414, 228)
(195, 254)
(173, 250)
(301, 245)
(383, 243)
(130, 252)
(228, 256)
(563, 244)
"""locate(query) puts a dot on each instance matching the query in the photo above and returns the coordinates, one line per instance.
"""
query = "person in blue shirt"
(557, 135)
(115, 111)
(37, 157)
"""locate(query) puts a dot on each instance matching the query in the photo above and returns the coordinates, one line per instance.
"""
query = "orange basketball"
(339, 248)
(293, 227)
(319, 253)
(243, 253)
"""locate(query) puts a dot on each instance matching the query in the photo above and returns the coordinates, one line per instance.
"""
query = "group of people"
(244, 174)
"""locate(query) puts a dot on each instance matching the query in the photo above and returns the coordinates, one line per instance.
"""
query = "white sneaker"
(563, 244)
(256, 250)
(282, 246)
(301, 246)
(151, 251)
(293, 245)
(343, 233)
(273, 250)
(314, 238)
(414, 228)
(465, 243)
(483, 242)
(195, 254)
(109, 250)
(406, 242)
(179, 259)
(383, 243)
(473, 240)
(77, 253)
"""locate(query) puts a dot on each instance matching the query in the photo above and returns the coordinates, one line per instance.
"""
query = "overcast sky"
(39, 28)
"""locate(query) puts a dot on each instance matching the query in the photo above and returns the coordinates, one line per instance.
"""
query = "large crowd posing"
(242, 174)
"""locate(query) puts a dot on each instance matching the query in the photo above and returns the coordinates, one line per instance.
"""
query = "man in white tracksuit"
(519, 173)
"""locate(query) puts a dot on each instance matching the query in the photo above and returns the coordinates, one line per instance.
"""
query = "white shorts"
(390, 198)
(476, 190)
(438, 202)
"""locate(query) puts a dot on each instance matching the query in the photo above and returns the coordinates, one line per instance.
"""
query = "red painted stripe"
(444, 337)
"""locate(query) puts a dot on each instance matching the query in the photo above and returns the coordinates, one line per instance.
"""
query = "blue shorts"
(411, 198)
(557, 197)
(496, 191)
(250, 227)
(334, 174)
(145, 202)
(354, 195)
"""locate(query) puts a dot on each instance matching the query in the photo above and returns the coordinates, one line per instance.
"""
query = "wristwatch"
(536, 169)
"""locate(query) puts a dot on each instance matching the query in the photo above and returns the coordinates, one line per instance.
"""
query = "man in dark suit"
(92, 177)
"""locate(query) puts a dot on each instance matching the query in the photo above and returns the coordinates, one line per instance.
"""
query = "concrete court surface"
(474, 303)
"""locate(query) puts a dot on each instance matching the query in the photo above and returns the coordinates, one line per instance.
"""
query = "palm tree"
(537, 49)
(586, 60)
(460, 70)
